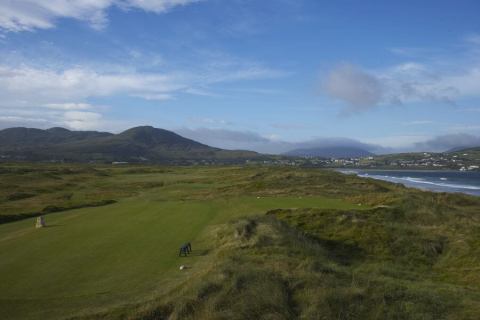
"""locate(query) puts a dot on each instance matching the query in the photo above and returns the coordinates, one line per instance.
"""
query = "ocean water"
(439, 181)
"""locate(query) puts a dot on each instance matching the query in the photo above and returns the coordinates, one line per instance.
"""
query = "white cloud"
(246, 72)
(69, 106)
(17, 119)
(410, 82)
(73, 119)
(209, 121)
(37, 117)
(81, 120)
(417, 122)
(202, 92)
(449, 141)
(25, 86)
(439, 78)
(157, 6)
(154, 96)
(353, 85)
(58, 89)
(27, 15)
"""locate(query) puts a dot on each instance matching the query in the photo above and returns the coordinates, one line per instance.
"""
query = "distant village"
(447, 161)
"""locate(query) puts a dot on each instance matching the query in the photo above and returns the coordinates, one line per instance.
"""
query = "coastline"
(466, 182)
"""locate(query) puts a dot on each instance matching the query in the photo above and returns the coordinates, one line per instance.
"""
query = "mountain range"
(139, 144)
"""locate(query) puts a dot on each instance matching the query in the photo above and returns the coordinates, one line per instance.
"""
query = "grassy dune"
(271, 243)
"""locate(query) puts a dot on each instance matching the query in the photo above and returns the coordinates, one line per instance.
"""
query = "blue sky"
(265, 75)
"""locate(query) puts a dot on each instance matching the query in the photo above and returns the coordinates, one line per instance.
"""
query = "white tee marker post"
(40, 222)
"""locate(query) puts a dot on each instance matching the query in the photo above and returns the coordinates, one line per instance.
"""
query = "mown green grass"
(330, 247)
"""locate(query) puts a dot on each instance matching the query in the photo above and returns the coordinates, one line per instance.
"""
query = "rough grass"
(330, 246)
(266, 269)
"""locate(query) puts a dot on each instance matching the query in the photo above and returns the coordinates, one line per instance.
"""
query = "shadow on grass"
(342, 252)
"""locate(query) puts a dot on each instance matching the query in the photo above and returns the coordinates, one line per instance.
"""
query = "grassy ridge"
(262, 268)
(330, 246)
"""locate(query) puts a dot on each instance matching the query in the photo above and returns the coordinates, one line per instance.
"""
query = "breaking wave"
(413, 180)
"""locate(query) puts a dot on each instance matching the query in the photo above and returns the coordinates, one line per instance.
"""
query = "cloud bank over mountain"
(232, 139)
(448, 142)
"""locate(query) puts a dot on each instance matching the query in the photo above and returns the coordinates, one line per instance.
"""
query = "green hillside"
(140, 144)
(469, 154)
(268, 243)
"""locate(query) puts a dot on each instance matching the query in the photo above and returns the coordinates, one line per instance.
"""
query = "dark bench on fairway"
(185, 249)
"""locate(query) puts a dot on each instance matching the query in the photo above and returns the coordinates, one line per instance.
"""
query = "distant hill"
(330, 152)
(470, 156)
(464, 149)
(140, 144)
